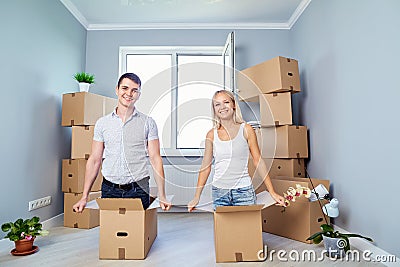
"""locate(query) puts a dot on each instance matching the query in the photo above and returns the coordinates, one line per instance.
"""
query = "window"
(177, 86)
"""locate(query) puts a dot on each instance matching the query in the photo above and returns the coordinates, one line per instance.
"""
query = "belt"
(121, 186)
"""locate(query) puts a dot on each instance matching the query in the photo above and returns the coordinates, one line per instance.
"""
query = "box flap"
(205, 206)
(264, 198)
(120, 203)
(92, 205)
(156, 202)
(238, 208)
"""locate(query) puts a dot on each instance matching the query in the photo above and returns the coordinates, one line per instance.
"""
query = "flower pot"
(84, 87)
(335, 246)
(24, 245)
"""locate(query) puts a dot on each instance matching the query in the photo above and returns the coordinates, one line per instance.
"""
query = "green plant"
(23, 229)
(327, 230)
(83, 77)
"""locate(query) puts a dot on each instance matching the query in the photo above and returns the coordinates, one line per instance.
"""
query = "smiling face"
(128, 92)
(223, 106)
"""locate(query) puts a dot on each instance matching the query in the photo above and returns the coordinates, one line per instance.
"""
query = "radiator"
(181, 181)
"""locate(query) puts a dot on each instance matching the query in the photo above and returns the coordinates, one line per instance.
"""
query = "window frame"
(174, 51)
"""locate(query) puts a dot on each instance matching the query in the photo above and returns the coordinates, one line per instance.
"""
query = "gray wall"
(348, 53)
(42, 47)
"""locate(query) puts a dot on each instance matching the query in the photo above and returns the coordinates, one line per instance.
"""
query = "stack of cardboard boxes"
(81, 111)
(283, 145)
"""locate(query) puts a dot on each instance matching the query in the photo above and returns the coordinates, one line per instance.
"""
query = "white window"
(177, 86)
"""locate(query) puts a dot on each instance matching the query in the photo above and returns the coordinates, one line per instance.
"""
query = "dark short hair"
(131, 76)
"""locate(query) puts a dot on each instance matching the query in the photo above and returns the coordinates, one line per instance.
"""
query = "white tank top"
(230, 161)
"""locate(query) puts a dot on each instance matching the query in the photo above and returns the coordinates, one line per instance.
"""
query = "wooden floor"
(183, 240)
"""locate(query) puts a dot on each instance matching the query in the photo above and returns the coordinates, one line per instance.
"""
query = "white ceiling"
(186, 14)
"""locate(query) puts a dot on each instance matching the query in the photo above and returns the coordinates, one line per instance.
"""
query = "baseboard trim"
(363, 245)
(55, 221)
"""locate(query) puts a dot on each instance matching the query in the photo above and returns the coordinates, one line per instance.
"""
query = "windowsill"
(170, 152)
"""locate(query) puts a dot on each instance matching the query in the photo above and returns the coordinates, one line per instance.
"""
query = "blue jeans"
(233, 197)
(141, 190)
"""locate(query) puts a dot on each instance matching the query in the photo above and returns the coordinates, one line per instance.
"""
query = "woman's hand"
(279, 199)
(192, 204)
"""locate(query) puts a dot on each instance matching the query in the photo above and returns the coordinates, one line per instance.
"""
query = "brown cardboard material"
(84, 109)
(81, 141)
(127, 231)
(259, 139)
(238, 233)
(279, 74)
(275, 109)
(276, 167)
(109, 105)
(301, 219)
(73, 176)
(89, 218)
(291, 142)
(81, 108)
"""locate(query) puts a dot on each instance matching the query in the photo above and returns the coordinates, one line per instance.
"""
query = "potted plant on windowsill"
(23, 233)
(85, 80)
(335, 242)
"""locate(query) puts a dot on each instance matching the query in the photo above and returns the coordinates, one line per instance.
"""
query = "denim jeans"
(140, 191)
(233, 197)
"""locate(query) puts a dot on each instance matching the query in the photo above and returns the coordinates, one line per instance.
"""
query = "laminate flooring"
(184, 239)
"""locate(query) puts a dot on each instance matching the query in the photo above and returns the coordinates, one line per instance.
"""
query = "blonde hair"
(237, 114)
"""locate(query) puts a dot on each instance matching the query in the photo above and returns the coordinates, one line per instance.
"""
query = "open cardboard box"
(127, 231)
(302, 218)
(238, 230)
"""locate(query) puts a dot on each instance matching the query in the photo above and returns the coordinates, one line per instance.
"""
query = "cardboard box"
(301, 219)
(291, 142)
(279, 74)
(81, 141)
(275, 109)
(109, 105)
(238, 233)
(73, 176)
(258, 135)
(81, 108)
(89, 218)
(127, 231)
(276, 167)
(238, 229)
(84, 109)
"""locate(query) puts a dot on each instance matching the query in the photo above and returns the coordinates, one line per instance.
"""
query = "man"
(124, 137)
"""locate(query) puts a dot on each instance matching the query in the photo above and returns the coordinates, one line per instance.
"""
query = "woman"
(230, 142)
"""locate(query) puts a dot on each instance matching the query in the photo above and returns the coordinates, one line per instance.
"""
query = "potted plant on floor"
(23, 233)
(85, 80)
(335, 242)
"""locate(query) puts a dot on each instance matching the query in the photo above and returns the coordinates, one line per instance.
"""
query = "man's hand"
(164, 204)
(80, 205)
(192, 204)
